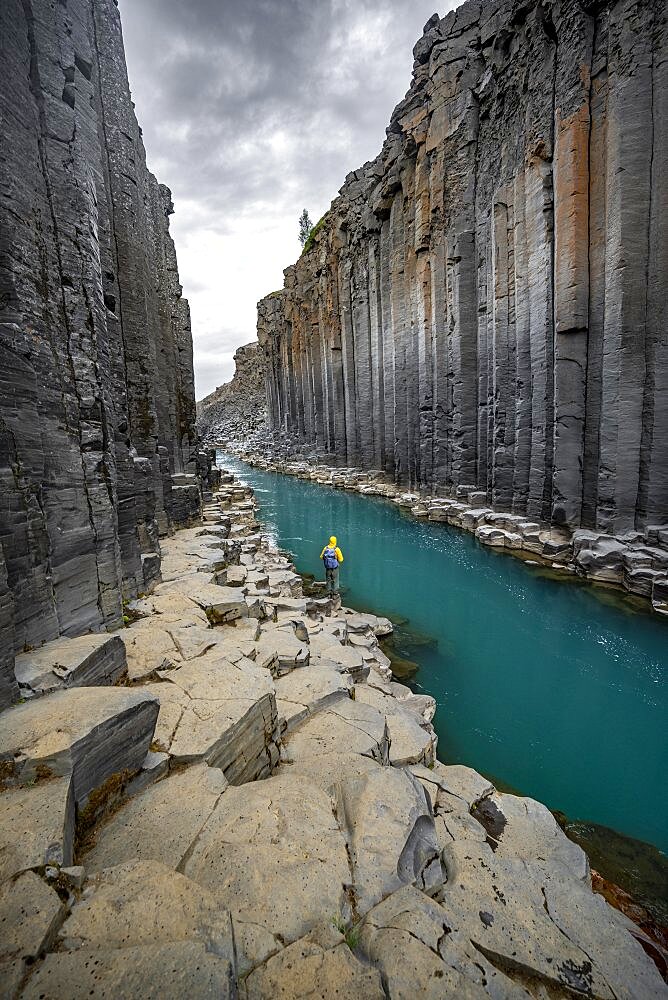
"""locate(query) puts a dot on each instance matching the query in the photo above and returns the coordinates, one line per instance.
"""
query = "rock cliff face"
(485, 303)
(239, 407)
(97, 405)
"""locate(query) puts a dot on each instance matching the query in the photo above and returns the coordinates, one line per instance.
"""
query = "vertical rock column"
(489, 292)
(96, 392)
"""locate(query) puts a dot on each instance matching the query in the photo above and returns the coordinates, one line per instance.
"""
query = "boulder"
(87, 660)
(90, 733)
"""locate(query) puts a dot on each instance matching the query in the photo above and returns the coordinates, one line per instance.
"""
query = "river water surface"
(542, 684)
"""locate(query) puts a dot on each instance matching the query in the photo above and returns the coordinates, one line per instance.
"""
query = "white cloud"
(252, 111)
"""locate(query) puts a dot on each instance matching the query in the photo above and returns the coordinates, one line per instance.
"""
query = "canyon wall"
(239, 407)
(485, 304)
(97, 408)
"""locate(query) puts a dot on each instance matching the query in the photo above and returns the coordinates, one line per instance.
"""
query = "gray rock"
(488, 349)
(36, 827)
(274, 854)
(96, 401)
(154, 826)
(390, 834)
(88, 660)
(153, 971)
(320, 964)
(30, 915)
(87, 733)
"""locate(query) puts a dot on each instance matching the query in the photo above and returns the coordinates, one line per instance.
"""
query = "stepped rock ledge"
(259, 813)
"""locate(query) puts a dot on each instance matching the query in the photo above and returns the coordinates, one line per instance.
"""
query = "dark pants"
(332, 578)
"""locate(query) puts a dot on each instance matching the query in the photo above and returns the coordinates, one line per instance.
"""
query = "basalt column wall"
(96, 383)
(485, 304)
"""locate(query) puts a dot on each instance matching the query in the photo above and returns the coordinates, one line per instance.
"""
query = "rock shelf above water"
(635, 562)
(290, 832)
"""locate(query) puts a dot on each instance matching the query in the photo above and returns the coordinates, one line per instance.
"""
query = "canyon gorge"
(212, 783)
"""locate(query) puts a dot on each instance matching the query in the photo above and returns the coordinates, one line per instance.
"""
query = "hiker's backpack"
(329, 558)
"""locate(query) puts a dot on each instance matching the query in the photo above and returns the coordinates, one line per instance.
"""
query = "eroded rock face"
(484, 307)
(239, 407)
(97, 402)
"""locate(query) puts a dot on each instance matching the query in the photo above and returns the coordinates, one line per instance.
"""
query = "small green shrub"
(310, 242)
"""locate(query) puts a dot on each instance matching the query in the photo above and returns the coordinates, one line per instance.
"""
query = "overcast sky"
(253, 110)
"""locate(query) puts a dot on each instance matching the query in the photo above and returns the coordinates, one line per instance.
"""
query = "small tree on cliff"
(305, 227)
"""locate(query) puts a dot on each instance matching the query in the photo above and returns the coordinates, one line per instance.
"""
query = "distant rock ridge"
(97, 407)
(484, 306)
(238, 408)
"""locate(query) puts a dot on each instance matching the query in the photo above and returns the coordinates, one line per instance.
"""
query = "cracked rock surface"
(278, 825)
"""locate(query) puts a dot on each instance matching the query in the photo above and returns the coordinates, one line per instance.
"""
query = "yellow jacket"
(331, 544)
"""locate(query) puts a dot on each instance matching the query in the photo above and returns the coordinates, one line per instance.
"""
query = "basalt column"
(96, 386)
(488, 296)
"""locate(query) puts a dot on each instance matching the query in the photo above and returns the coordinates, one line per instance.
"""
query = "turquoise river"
(549, 686)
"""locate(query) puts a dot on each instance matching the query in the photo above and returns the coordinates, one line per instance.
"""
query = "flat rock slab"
(390, 834)
(275, 855)
(518, 827)
(153, 972)
(352, 725)
(149, 647)
(315, 967)
(30, 915)
(87, 660)
(173, 608)
(88, 732)
(310, 689)
(220, 604)
(221, 712)
(162, 823)
(280, 652)
(498, 905)
(605, 936)
(419, 955)
(36, 826)
(144, 903)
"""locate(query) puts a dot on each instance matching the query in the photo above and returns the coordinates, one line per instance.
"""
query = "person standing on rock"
(331, 556)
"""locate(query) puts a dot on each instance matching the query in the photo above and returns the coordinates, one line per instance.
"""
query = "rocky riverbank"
(635, 562)
(140, 854)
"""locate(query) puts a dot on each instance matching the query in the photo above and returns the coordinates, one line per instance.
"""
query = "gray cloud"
(251, 111)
